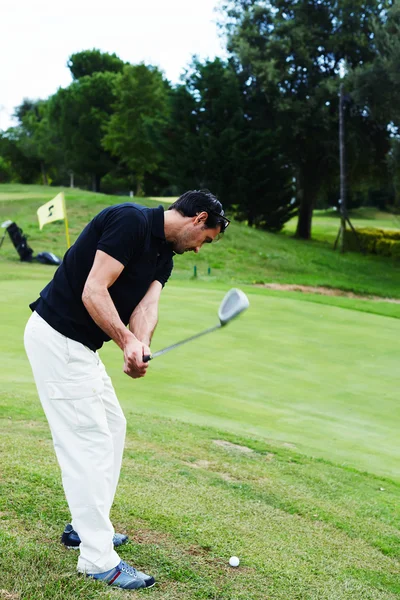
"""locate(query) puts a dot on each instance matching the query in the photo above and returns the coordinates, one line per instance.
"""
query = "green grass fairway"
(274, 439)
(309, 389)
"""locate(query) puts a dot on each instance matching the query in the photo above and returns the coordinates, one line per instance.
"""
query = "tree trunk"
(96, 179)
(307, 195)
(45, 181)
(139, 186)
(303, 229)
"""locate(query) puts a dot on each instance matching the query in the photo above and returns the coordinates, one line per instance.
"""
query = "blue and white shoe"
(124, 576)
(71, 539)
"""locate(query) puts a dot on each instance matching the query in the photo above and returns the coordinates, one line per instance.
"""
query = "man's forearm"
(144, 318)
(100, 306)
(143, 322)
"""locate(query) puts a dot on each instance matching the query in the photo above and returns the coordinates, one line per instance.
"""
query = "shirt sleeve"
(123, 234)
(163, 272)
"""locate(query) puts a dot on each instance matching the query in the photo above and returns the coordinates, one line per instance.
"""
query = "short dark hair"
(194, 202)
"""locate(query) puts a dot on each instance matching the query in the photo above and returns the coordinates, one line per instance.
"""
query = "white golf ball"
(234, 561)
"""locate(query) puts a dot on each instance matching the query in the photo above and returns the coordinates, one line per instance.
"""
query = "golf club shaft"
(148, 357)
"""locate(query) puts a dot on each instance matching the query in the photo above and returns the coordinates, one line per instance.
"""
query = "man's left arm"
(144, 318)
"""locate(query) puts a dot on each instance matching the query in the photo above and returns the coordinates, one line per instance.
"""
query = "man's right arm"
(97, 301)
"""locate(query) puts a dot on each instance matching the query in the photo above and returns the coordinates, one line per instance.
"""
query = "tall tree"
(88, 62)
(21, 168)
(221, 137)
(31, 147)
(377, 83)
(80, 114)
(38, 139)
(294, 50)
(133, 134)
(376, 86)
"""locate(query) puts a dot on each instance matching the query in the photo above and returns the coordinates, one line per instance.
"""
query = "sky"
(37, 38)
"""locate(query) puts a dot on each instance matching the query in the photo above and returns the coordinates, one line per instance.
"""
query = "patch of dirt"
(288, 445)
(197, 551)
(147, 536)
(227, 477)
(230, 446)
(199, 464)
(323, 291)
(269, 457)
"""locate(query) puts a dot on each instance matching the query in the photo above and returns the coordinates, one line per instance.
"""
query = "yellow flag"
(52, 211)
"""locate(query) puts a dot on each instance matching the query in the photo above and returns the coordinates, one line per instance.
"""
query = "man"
(111, 277)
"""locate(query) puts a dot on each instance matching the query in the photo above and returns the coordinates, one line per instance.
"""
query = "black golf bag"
(20, 242)
(24, 250)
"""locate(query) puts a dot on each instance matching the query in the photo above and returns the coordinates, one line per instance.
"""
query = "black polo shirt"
(133, 235)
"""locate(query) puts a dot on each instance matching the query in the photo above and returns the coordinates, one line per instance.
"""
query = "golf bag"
(24, 250)
(20, 242)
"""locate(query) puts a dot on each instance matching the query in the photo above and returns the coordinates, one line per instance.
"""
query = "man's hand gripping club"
(134, 350)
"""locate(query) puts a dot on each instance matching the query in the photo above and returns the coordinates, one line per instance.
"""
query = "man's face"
(194, 235)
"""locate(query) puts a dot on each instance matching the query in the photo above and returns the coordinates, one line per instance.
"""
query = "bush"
(384, 242)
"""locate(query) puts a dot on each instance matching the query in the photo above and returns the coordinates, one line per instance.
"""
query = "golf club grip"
(147, 357)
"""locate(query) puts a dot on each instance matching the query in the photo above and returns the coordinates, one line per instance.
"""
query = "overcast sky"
(37, 37)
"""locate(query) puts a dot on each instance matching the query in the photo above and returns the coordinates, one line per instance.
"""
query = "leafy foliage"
(88, 62)
(293, 51)
(80, 114)
(140, 113)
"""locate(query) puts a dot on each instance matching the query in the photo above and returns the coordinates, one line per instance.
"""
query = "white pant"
(88, 429)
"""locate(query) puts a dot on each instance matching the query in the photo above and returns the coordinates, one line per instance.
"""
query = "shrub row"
(385, 242)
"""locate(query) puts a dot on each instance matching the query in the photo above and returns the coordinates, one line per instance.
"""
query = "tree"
(377, 84)
(376, 87)
(80, 114)
(88, 62)
(38, 139)
(21, 168)
(133, 133)
(221, 137)
(294, 51)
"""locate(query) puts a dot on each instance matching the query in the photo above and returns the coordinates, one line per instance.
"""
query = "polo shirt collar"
(157, 227)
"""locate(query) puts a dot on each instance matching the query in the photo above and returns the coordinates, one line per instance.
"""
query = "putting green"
(317, 377)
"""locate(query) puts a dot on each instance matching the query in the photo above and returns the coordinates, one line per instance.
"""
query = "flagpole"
(66, 221)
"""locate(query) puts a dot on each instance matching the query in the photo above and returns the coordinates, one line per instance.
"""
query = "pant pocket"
(76, 404)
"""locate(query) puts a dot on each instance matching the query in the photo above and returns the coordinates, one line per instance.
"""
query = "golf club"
(234, 303)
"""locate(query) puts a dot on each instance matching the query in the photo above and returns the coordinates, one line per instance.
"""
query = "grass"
(245, 256)
(275, 440)
(326, 222)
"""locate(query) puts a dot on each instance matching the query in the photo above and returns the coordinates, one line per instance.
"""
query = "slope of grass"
(244, 256)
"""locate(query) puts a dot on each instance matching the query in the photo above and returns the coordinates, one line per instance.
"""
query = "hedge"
(385, 242)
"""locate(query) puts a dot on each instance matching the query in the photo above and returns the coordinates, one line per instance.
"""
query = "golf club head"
(234, 303)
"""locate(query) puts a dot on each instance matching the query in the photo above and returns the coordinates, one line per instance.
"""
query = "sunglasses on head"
(224, 222)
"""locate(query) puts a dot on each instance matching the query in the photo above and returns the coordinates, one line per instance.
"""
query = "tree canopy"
(259, 129)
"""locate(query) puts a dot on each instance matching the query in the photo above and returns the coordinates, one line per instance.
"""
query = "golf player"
(110, 278)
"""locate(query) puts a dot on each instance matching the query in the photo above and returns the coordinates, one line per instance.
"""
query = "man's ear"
(201, 218)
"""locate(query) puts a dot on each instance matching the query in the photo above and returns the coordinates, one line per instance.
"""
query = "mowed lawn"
(319, 377)
(274, 439)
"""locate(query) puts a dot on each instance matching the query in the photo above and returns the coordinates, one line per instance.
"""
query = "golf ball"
(234, 561)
